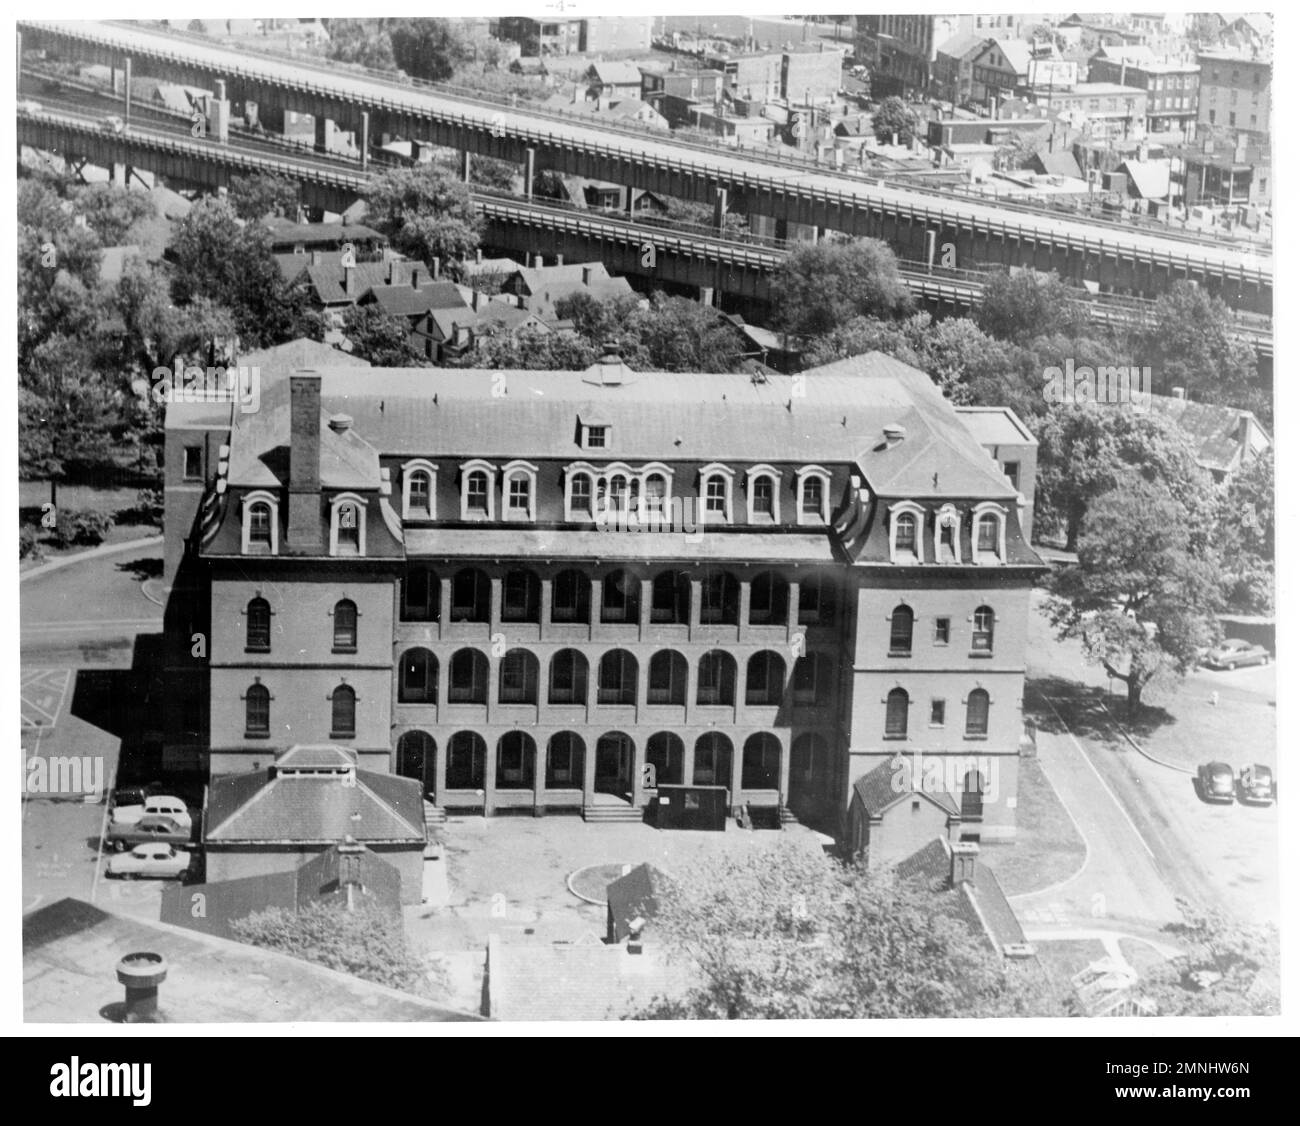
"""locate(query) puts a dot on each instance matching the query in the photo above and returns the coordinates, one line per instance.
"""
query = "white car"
(161, 860)
(160, 805)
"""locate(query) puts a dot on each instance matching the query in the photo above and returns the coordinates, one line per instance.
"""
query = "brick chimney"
(415, 277)
(586, 275)
(349, 280)
(304, 463)
(963, 862)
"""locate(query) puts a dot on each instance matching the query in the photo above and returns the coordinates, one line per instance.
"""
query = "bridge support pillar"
(220, 89)
(464, 166)
(363, 139)
(706, 295)
(325, 129)
(126, 89)
(530, 172)
(930, 240)
(219, 120)
(720, 208)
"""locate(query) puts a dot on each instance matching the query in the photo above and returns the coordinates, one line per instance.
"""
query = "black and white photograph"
(587, 517)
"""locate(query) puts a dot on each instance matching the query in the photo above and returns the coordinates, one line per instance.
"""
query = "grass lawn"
(1047, 848)
(124, 533)
(33, 494)
(1065, 957)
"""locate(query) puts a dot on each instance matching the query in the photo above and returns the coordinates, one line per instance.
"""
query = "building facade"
(1236, 93)
(1172, 89)
(556, 590)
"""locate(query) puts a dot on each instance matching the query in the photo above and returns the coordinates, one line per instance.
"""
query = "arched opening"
(719, 599)
(257, 711)
(896, 706)
(518, 678)
(520, 596)
(343, 712)
(760, 764)
(900, 630)
(564, 758)
(765, 679)
(345, 626)
(571, 597)
(516, 759)
(668, 674)
(419, 504)
(972, 796)
(620, 598)
(258, 633)
(417, 758)
(614, 755)
(670, 598)
(617, 678)
(419, 678)
(466, 756)
(982, 630)
(469, 677)
(259, 527)
(712, 760)
(716, 683)
(420, 594)
(470, 596)
(665, 754)
(769, 599)
(977, 712)
(568, 678)
(816, 601)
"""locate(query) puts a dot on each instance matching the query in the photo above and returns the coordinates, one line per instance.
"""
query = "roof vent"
(895, 433)
(340, 422)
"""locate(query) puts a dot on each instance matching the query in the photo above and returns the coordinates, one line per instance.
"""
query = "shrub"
(80, 527)
(29, 546)
(148, 509)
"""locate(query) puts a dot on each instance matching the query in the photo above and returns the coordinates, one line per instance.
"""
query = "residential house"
(540, 288)
(893, 812)
(1172, 87)
(1111, 109)
(615, 81)
(952, 72)
(431, 311)
(1000, 69)
(1236, 93)
(288, 237)
(675, 91)
(1225, 439)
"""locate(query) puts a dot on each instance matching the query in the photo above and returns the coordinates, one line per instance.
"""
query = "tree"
(1244, 537)
(231, 264)
(426, 215)
(361, 43)
(261, 194)
(796, 935)
(821, 285)
(1085, 451)
(381, 338)
(530, 349)
(368, 943)
(111, 211)
(1019, 307)
(894, 118)
(1140, 601)
(426, 48)
(1188, 342)
(1228, 968)
(490, 173)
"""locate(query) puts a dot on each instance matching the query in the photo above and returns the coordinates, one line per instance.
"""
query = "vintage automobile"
(1256, 785)
(1234, 653)
(1216, 782)
(158, 805)
(162, 861)
(152, 827)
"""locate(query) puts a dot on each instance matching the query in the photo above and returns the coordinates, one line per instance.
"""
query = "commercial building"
(1236, 92)
(525, 588)
(1171, 88)
(569, 36)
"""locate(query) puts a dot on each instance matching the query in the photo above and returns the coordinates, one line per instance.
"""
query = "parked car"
(151, 827)
(160, 805)
(1234, 653)
(163, 861)
(1256, 785)
(1216, 781)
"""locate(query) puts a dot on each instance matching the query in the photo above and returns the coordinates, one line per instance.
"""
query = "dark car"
(1216, 782)
(150, 828)
(1256, 785)
(1234, 653)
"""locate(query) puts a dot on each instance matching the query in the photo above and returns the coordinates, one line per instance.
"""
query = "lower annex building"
(557, 590)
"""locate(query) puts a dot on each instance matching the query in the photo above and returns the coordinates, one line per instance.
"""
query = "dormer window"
(763, 495)
(579, 500)
(905, 522)
(348, 525)
(947, 542)
(596, 437)
(715, 494)
(418, 479)
(656, 489)
(261, 524)
(520, 490)
(989, 533)
(814, 490)
(476, 490)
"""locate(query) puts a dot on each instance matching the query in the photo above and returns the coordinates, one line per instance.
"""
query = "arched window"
(516, 758)
(564, 758)
(900, 630)
(712, 760)
(616, 679)
(466, 755)
(972, 796)
(719, 599)
(343, 712)
(664, 755)
(982, 630)
(469, 676)
(345, 626)
(977, 712)
(581, 503)
(421, 594)
(717, 497)
(571, 597)
(518, 678)
(419, 680)
(816, 601)
(670, 598)
(259, 527)
(620, 598)
(520, 490)
(520, 596)
(988, 533)
(769, 599)
(812, 498)
(716, 682)
(419, 495)
(656, 493)
(809, 676)
(258, 635)
(668, 673)
(348, 524)
(896, 714)
(470, 596)
(257, 711)
(765, 679)
(905, 533)
(416, 758)
(477, 498)
(568, 678)
(760, 763)
(762, 486)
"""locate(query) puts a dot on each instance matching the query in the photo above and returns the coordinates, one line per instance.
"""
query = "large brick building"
(554, 590)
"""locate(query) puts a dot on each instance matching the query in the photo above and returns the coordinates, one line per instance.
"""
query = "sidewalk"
(92, 553)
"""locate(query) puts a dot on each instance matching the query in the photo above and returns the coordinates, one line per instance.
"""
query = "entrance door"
(416, 758)
(614, 765)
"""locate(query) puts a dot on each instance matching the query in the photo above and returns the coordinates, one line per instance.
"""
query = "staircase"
(434, 814)
(607, 807)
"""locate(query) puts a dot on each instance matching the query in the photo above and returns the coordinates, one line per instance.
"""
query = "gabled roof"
(300, 355)
(1148, 179)
(1214, 431)
(959, 46)
(1015, 51)
(1059, 163)
(287, 233)
(265, 808)
(405, 301)
(878, 791)
(981, 903)
(616, 73)
(635, 895)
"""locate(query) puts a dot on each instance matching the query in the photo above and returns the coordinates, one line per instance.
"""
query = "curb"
(1137, 747)
(93, 553)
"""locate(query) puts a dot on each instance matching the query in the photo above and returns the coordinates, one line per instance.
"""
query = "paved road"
(637, 150)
